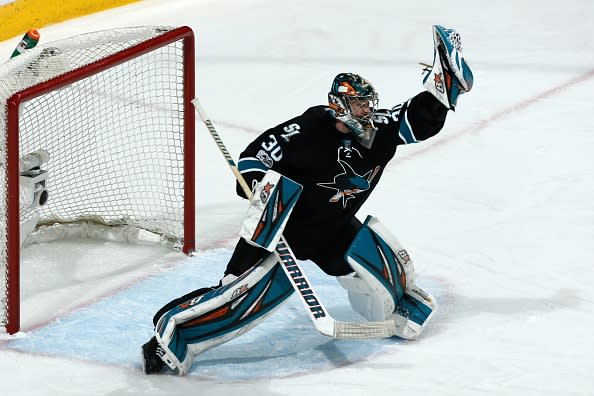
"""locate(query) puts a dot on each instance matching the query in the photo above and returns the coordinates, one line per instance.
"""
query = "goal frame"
(183, 33)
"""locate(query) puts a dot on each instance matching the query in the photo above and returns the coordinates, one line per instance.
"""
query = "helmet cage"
(354, 102)
(346, 106)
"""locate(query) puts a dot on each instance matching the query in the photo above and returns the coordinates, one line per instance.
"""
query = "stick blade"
(364, 330)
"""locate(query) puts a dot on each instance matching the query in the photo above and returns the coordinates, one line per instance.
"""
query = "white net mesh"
(115, 138)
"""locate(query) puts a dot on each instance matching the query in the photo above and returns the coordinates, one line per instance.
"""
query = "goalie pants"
(329, 254)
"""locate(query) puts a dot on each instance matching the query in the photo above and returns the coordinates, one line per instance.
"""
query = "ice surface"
(497, 211)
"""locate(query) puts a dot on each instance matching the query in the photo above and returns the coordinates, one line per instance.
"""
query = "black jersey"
(337, 173)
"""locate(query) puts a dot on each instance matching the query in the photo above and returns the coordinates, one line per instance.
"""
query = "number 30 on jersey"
(271, 145)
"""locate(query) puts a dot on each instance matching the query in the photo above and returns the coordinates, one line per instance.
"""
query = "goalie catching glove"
(449, 76)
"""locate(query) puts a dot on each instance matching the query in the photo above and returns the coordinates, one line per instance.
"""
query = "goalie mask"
(354, 102)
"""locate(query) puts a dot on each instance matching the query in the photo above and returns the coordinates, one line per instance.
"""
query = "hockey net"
(112, 109)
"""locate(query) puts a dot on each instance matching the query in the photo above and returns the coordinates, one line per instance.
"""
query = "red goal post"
(113, 111)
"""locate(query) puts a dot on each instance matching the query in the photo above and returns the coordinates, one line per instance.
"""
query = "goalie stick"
(320, 317)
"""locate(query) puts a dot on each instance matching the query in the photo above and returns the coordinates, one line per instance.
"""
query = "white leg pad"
(366, 301)
(383, 286)
(401, 253)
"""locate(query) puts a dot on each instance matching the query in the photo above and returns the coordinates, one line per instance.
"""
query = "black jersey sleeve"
(415, 120)
(273, 149)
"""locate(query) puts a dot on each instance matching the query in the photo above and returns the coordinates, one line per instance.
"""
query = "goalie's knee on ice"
(379, 259)
(383, 286)
(363, 299)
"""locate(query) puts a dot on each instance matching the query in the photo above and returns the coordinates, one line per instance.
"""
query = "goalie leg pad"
(270, 207)
(383, 286)
(376, 263)
(221, 314)
(413, 312)
(364, 299)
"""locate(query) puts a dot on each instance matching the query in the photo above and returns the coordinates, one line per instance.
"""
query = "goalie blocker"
(270, 207)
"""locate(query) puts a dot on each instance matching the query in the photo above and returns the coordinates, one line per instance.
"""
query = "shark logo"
(349, 183)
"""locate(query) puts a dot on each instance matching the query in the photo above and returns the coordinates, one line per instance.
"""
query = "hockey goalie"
(308, 178)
